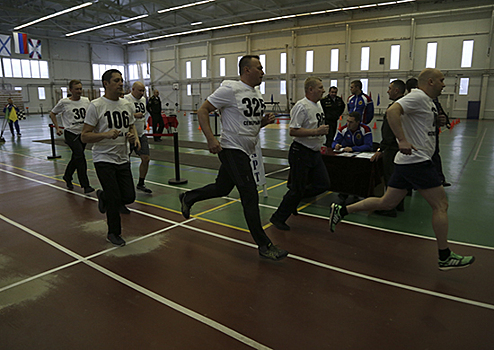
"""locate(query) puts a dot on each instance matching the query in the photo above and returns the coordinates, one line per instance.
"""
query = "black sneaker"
(115, 240)
(124, 210)
(101, 202)
(334, 216)
(272, 252)
(143, 188)
(185, 207)
(280, 225)
(68, 181)
(88, 189)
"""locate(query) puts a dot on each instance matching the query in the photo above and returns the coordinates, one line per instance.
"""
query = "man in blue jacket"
(354, 136)
(360, 102)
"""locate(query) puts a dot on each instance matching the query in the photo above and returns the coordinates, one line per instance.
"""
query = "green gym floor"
(200, 284)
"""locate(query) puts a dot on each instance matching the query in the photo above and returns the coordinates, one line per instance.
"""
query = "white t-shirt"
(140, 106)
(73, 113)
(308, 115)
(242, 108)
(105, 115)
(419, 125)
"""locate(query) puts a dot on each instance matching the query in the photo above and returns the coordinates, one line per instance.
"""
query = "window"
(395, 57)
(238, 64)
(188, 69)
(43, 68)
(18, 88)
(7, 66)
(283, 87)
(467, 54)
(64, 92)
(96, 75)
(392, 79)
(335, 53)
(100, 69)
(364, 58)
(222, 66)
(26, 68)
(204, 69)
(262, 59)
(41, 93)
(262, 88)
(145, 71)
(133, 73)
(431, 55)
(464, 86)
(365, 85)
(189, 89)
(35, 72)
(333, 82)
(283, 63)
(1, 71)
(309, 61)
(16, 68)
(101, 91)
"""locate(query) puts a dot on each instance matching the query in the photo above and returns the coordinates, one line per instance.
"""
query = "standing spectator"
(412, 120)
(360, 102)
(443, 119)
(11, 111)
(242, 116)
(109, 125)
(412, 83)
(388, 146)
(73, 111)
(308, 173)
(136, 97)
(333, 107)
(354, 136)
(154, 108)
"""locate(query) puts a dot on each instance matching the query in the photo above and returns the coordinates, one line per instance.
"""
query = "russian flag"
(20, 43)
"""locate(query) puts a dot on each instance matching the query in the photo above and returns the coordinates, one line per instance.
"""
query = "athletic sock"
(343, 211)
(141, 181)
(444, 254)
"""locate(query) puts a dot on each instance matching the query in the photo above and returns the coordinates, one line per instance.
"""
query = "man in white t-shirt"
(308, 174)
(73, 111)
(413, 120)
(137, 99)
(242, 116)
(109, 125)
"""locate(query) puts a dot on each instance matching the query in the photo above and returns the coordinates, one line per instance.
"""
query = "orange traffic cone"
(375, 126)
(199, 128)
(277, 120)
(184, 114)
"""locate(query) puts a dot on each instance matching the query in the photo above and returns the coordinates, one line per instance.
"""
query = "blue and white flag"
(34, 48)
(5, 45)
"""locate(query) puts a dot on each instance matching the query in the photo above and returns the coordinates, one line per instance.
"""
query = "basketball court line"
(296, 257)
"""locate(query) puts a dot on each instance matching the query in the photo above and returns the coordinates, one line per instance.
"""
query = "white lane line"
(171, 304)
(348, 272)
(480, 145)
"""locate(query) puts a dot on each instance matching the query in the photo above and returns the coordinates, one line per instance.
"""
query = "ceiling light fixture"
(264, 20)
(106, 25)
(184, 6)
(54, 15)
(195, 23)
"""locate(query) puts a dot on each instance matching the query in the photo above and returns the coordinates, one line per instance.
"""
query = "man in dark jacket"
(333, 107)
(154, 108)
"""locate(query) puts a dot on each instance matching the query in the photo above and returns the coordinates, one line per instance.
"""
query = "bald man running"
(413, 119)
(136, 97)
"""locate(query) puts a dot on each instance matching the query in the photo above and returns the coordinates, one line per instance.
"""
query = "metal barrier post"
(52, 137)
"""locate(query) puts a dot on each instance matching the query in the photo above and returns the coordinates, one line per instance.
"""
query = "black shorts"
(418, 176)
(144, 147)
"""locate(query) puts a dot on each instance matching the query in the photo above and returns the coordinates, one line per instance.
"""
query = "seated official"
(354, 136)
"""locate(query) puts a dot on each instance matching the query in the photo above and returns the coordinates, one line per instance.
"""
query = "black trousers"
(235, 170)
(308, 178)
(158, 125)
(118, 190)
(11, 126)
(333, 128)
(78, 160)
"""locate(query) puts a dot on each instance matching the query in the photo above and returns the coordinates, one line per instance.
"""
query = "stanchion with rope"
(52, 138)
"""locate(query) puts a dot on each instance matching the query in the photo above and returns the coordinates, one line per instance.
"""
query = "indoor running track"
(191, 284)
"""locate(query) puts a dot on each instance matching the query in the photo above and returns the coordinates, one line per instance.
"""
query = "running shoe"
(272, 252)
(143, 188)
(334, 216)
(280, 225)
(185, 209)
(455, 261)
(101, 202)
(115, 240)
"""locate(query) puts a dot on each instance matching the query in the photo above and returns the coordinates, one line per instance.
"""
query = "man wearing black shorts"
(413, 120)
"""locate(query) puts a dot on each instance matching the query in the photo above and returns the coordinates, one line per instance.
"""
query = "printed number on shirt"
(320, 119)
(79, 113)
(254, 107)
(117, 120)
(140, 107)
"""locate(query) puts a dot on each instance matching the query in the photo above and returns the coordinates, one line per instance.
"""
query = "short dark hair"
(245, 62)
(333, 87)
(412, 83)
(74, 82)
(108, 74)
(357, 83)
(400, 85)
(356, 115)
